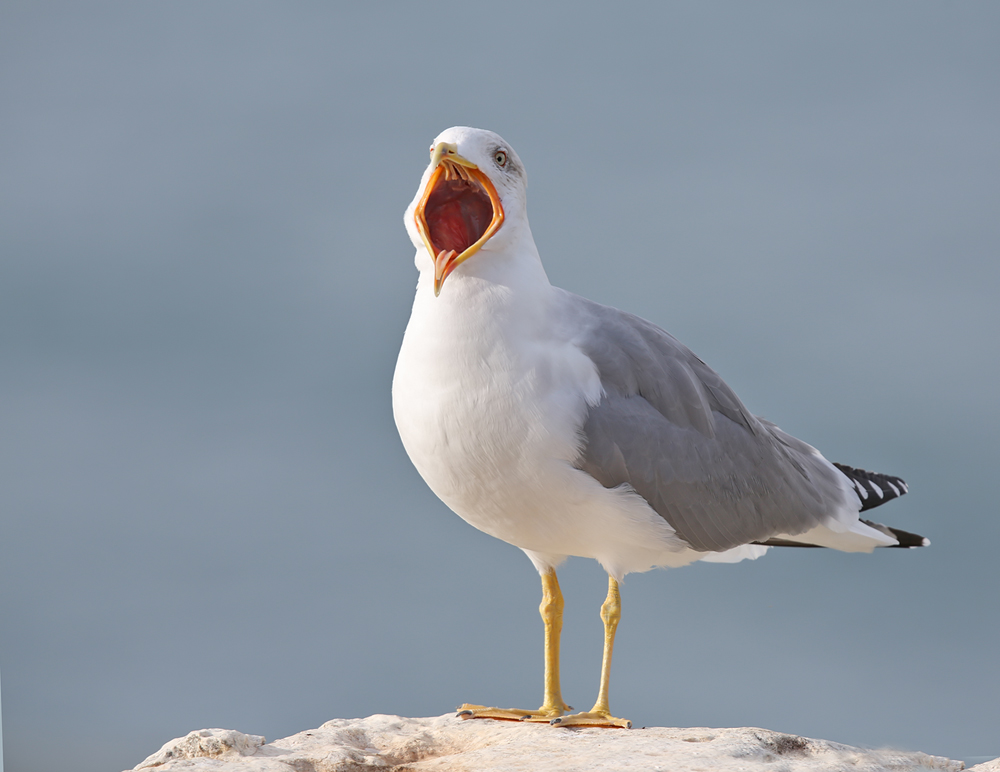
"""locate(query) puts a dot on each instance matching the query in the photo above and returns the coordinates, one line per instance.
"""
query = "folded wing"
(669, 427)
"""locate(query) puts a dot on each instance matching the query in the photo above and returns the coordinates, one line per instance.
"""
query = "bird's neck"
(507, 276)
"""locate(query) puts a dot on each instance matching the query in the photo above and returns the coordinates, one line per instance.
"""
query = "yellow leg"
(553, 706)
(600, 714)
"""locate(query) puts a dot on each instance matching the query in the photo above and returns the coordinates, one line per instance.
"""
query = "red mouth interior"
(457, 213)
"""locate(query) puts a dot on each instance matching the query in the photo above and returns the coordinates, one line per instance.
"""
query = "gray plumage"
(670, 427)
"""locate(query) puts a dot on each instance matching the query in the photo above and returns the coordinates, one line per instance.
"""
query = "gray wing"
(671, 428)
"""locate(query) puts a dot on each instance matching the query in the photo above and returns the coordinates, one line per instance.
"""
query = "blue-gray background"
(207, 517)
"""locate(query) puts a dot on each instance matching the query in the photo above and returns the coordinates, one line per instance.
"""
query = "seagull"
(568, 428)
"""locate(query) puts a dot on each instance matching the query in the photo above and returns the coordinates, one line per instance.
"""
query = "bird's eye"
(500, 158)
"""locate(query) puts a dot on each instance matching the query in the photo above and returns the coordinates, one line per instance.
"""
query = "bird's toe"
(468, 711)
(592, 719)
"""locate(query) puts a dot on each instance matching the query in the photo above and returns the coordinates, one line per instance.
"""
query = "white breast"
(489, 397)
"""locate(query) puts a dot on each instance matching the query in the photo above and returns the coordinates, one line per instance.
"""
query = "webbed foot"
(542, 715)
(600, 719)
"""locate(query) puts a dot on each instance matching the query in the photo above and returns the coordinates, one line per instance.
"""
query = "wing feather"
(668, 426)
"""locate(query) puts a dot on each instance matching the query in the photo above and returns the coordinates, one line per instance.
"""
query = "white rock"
(206, 743)
(449, 743)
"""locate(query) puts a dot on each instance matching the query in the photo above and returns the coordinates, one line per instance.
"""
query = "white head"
(471, 198)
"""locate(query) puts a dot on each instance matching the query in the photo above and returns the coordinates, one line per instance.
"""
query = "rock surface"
(447, 743)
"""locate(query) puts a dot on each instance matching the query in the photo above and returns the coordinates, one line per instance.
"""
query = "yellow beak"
(451, 216)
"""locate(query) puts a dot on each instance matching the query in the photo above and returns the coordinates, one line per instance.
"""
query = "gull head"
(471, 199)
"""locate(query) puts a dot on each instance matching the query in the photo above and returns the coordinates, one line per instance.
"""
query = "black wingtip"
(905, 538)
(873, 488)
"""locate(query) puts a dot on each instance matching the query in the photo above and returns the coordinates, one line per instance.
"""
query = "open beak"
(459, 211)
